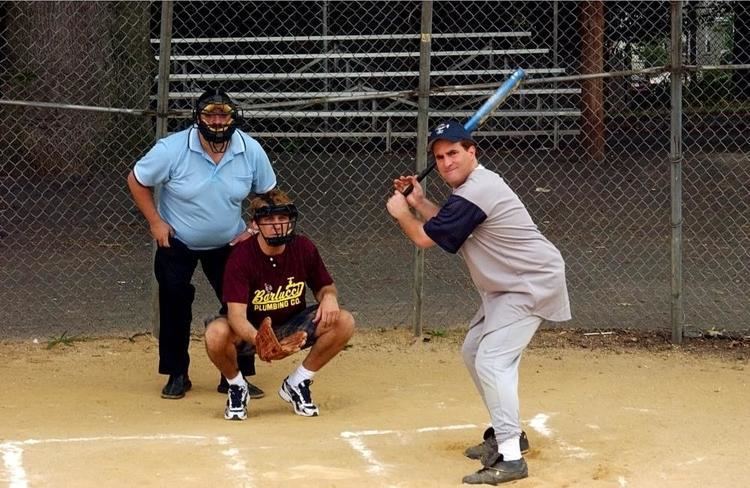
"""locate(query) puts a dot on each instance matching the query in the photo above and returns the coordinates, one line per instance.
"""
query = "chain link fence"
(330, 90)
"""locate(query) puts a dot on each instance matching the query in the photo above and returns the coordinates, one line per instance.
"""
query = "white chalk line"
(638, 409)
(699, 459)
(374, 466)
(13, 460)
(539, 424)
(12, 453)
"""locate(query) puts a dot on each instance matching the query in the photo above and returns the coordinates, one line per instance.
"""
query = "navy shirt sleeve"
(454, 223)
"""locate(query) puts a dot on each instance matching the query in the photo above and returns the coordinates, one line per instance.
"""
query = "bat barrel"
(484, 111)
(500, 94)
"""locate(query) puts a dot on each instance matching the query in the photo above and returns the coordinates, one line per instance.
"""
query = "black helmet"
(275, 202)
(215, 101)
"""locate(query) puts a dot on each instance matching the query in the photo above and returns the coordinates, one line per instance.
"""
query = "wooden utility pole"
(592, 90)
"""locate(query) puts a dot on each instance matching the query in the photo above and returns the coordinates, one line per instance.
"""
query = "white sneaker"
(237, 398)
(299, 397)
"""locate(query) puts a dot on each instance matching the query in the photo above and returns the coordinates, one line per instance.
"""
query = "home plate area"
(384, 457)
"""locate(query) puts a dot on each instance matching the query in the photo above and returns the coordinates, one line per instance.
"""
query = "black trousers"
(174, 267)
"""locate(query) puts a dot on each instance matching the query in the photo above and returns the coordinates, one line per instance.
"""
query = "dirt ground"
(604, 408)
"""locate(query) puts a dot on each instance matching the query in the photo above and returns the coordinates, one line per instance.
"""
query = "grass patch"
(435, 333)
(64, 339)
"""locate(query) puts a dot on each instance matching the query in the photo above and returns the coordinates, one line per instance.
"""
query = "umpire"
(205, 173)
(519, 274)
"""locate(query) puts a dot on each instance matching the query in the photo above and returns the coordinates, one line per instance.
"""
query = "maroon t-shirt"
(273, 286)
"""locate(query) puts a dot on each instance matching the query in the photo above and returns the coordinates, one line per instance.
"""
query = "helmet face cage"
(216, 102)
(278, 233)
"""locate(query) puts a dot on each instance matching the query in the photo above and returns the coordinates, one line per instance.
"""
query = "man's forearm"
(328, 290)
(426, 209)
(414, 230)
(143, 197)
(242, 327)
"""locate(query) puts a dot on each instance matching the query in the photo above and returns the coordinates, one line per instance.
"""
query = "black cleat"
(490, 444)
(176, 386)
(496, 471)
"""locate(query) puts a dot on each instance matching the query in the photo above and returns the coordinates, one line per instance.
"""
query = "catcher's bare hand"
(327, 313)
(269, 348)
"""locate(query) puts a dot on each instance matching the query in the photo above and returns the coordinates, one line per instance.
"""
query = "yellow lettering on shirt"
(264, 301)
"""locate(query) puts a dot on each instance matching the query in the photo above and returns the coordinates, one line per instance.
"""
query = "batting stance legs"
(492, 360)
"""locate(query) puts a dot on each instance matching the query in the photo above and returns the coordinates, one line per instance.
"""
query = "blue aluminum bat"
(481, 114)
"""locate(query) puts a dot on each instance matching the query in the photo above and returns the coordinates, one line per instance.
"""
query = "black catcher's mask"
(276, 234)
(217, 130)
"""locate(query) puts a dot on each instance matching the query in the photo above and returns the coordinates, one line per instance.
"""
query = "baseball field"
(619, 409)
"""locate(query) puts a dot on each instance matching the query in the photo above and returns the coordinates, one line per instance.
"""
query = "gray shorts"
(303, 321)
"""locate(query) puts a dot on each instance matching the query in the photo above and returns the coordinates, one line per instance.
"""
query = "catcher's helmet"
(275, 202)
(215, 102)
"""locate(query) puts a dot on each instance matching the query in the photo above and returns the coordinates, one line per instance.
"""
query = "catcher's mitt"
(268, 347)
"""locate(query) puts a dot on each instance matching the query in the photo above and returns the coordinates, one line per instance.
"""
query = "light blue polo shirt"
(202, 201)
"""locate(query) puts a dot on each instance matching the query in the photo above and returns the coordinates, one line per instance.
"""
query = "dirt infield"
(623, 409)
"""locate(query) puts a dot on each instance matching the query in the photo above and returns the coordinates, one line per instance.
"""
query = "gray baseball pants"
(492, 360)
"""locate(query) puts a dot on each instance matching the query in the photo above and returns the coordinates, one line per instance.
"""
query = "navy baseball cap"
(450, 130)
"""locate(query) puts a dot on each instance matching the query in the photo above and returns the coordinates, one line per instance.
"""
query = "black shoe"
(253, 391)
(176, 386)
(490, 444)
(496, 471)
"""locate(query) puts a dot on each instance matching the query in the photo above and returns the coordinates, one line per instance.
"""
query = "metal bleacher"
(364, 86)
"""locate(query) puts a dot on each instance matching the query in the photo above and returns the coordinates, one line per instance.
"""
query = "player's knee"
(345, 324)
(469, 358)
(484, 370)
(491, 369)
(217, 334)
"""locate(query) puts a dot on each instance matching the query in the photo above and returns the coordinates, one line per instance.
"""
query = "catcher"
(264, 287)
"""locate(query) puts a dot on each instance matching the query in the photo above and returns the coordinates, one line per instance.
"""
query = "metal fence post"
(162, 104)
(677, 312)
(425, 45)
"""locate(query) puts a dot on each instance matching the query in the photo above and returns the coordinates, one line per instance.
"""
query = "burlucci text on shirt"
(268, 299)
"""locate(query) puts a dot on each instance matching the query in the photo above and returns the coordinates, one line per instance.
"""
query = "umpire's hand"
(161, 232)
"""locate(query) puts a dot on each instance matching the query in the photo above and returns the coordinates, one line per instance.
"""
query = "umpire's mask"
(217, 117)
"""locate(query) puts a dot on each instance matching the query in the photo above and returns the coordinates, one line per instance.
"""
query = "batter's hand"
(161, 232)
(397, 206)
(416, 195)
